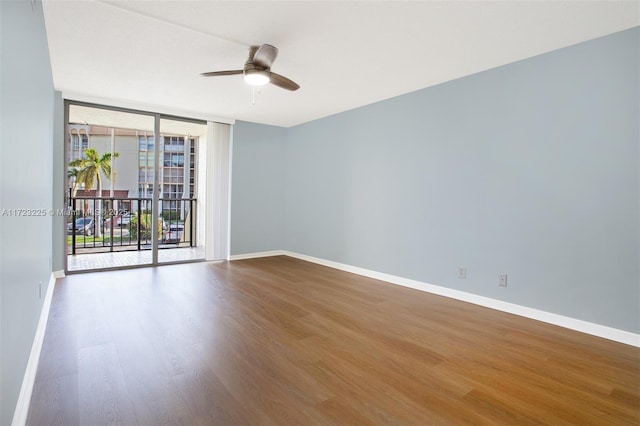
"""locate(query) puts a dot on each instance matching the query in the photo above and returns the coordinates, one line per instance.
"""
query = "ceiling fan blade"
(265, 55)
(283, 82)
(217, 73)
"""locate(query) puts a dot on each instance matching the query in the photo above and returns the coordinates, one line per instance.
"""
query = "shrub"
(145, 227)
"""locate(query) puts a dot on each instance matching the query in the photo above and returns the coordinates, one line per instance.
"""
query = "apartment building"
(133, 169)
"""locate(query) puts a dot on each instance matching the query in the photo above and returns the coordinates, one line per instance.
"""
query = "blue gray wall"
(530, 169)
(26, 139)
(257, 197)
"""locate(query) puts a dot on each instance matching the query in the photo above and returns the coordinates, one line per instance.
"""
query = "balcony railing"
(120, 224)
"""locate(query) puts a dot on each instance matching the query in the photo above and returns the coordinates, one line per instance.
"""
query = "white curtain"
(218, 190)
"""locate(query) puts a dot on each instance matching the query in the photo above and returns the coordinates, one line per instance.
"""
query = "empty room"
(319, 212)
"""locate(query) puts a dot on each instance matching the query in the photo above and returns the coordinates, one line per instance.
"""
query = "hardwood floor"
(282, 341)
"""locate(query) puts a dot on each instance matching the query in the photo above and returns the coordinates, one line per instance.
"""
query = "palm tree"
(91, 166)
(90, 169)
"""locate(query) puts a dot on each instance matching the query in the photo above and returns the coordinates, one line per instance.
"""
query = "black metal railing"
(120, 224)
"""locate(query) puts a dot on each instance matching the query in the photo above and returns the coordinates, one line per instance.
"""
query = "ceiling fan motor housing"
(254, 74)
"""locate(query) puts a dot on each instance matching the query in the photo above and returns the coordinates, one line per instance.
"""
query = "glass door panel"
(182, 228)
(109, 192)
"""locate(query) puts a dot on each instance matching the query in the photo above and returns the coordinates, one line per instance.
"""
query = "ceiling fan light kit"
(257, 69)
(256, 77)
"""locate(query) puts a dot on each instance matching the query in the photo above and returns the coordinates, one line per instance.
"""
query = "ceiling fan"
(257, 69)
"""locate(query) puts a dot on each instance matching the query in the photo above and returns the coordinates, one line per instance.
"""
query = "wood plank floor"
(282, 341)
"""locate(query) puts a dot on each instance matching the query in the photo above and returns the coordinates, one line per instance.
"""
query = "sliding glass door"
(179, 177)
(132, 188)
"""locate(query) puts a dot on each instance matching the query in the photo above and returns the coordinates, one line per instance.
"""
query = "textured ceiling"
(343, 54)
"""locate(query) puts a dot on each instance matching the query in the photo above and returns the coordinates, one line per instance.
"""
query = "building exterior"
(133, 170)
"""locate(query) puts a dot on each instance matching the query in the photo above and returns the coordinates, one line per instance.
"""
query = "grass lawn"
(83, 239)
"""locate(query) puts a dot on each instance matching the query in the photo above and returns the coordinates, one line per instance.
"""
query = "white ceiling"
(343, 54)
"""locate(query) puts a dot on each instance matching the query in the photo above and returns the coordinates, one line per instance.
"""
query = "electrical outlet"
(502, 280)
(462, 272)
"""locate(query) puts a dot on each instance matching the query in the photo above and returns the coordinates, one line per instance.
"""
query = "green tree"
(90, 169)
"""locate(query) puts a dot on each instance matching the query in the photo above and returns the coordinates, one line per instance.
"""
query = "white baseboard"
(58, 274)
(256, 255)
(24, 398)
(603, 331)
